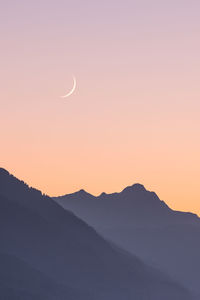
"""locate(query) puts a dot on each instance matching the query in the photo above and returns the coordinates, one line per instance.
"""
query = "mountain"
(141, 223)
(48, 253)
(18, 280)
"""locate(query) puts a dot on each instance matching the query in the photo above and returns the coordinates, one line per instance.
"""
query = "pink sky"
(134, 116)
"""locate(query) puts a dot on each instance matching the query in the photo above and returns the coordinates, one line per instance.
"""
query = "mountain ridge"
(138, 221)
(35, 229)
(136, 187)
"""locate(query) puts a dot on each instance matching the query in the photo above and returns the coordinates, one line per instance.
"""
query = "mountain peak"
(137, 187)
(82, 192)
(102, 194)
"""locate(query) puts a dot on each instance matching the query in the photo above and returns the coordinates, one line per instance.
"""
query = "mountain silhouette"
(47, 252)
(141, 223)
(18, 280)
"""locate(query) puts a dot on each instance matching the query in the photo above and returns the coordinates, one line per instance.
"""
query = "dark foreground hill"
(48, 253)
(20, 281)
(141, 223)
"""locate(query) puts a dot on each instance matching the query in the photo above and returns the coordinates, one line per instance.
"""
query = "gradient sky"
(135, 115)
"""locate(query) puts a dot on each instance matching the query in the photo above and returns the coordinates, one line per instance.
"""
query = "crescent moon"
(72, 90)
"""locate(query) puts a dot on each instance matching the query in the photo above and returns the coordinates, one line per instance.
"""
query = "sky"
(134, 116)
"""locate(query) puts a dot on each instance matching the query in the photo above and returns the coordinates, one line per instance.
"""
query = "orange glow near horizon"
(134, 116)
